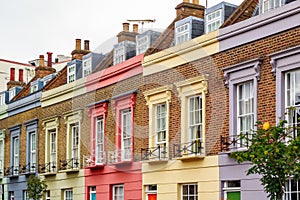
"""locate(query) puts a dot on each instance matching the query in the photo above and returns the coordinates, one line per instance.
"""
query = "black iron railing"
(155, 153)
(190, 148)
(12, 171)
(235, 142)
(29, 168)
(119, 156)
(70, 164)
(47, 167)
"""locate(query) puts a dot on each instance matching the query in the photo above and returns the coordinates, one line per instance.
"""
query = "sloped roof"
(106, 62)
(244, 11)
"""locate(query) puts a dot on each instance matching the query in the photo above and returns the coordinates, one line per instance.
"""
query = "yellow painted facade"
(170, 175)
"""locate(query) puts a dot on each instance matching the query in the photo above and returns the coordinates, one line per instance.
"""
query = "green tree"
(275, 155)
(35, 187)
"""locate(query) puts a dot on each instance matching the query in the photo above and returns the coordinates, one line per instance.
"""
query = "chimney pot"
(12, 74)
(135, 28)
(21, 75)
(86, 45)
(125, 26)
(78, 44)
(49, 61)
(196, 2)
(188, 1)
(42, 61)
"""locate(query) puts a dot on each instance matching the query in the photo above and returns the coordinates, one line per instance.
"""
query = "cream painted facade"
(170, 175)
(63, 181)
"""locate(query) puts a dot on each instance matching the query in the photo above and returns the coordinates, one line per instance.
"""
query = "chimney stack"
(86, 45)
(12, 74)
(42, 61)
(21, 75)
(196, 2)
(126, 26)
(78, 44)
(49, 61)
(135, 28)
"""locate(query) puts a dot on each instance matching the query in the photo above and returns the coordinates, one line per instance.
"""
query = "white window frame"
(16, 157)
(149, 190)
(188, 195)
(116, 190)
(33, 150)
(67, 194)
(86, 67)
(288, 189)
(268, 5)
(52, 148)
(48, 195)
(119, 54)
(192, 117)
(34, 88)
(71, 73)
(213, 20)
(244, 99)
(99, 140)
(75, 141)
(226, 188)
(1, 157)
(126, 130)
(12, 93)
(182, 33)
(92, 190)
(2, 99)
(160, 116)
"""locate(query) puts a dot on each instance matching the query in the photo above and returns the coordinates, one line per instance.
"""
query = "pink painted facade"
(112, 171)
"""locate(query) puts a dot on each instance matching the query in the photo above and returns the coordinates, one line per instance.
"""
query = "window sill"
(69, 170)
(96, 166)
(190, 157)
(49, 174)
(156, 161)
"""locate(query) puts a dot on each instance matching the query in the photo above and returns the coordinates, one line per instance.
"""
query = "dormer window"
(123, 51)
(36, 85)
(145, 40)
(2, 99)
(71, 73)
(188, 28)
(87, 67)
(270, 4)
(213, 21)
(47, 79)
(182, 33)
(12, 92)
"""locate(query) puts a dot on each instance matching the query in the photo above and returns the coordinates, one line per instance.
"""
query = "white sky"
(31, 28)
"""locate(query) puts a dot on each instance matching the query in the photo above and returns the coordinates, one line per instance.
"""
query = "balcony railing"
(29, 168)
(12, 171)
(235, 142)
(155, 153)
(119, 156)
(71, 164)
(47, 167)
(187, 149)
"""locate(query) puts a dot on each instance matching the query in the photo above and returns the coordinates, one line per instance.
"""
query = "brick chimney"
(86, 45)
(126, 34)
(187, 8)
(42, 70)
(21, 78)
(77, 53)
(12, 82)
(49, 61)
(135, 28)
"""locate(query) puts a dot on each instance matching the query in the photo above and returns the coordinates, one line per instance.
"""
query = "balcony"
(158, 153)
(93, 162)
(71, 165)
(48, 168)
(12, 171)
(235, 142)
(28, 169)
(189, 150)
(119, 156)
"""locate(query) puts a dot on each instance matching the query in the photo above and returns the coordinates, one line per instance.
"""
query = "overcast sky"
(33, 27)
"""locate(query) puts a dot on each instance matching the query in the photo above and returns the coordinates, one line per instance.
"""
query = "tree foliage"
(275, 155)
(35, 187)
